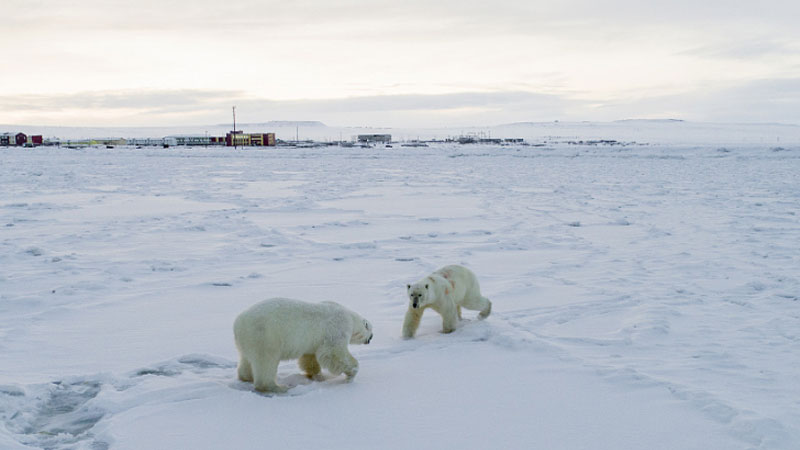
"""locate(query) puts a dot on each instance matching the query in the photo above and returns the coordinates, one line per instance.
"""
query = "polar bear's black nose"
(370, 338)
(414, 305)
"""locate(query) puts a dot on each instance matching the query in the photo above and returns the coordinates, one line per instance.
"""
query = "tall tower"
(233, 135)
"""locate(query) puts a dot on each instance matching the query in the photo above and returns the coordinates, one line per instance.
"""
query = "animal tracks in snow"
(53, 415)
(64, 413)
(69, 413)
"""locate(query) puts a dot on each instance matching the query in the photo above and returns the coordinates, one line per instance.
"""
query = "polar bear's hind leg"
(264, 373)
(244, 370)
(478, 303)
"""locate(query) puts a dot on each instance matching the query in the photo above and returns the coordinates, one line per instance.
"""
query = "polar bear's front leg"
(449, 322)
(338, 360)
(486, 309)
(352, 370)
(264, 372)
(449, 313)
(411, 322)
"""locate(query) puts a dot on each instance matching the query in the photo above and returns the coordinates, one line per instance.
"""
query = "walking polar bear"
(316, 334)
(446, 291)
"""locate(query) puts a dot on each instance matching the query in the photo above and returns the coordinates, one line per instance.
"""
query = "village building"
(190, 140)
(241, 139)
(143, 142)
(15, 139)
(370, 138)
(109, 141)
(20, 139)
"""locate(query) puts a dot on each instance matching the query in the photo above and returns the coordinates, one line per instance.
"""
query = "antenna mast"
(233, 135)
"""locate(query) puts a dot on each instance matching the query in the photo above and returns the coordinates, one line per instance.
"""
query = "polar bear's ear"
(408, 287)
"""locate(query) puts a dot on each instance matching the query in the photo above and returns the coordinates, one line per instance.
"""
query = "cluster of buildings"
(20, 140)
(475, 138)
(233, 139)
(239, 139)
(485, 140)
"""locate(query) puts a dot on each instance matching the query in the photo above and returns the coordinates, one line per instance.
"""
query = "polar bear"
(316, 334)
(446, 291)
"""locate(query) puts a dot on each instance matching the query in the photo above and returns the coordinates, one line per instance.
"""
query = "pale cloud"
(757, 101)
(748, 49)
(775, 100)
(144, 99)
(451, 60)
(154, 106)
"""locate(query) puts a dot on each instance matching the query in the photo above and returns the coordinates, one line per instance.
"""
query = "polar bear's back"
(289, 327)
(461, 279)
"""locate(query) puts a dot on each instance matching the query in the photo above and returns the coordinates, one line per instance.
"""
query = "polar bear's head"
(362, 330)
(420, 294)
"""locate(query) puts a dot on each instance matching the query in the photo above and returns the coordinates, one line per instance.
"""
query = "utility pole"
(233, 135)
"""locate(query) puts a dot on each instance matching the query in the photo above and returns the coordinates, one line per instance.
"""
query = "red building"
(20, 139)
(240, 139)
(262, 139)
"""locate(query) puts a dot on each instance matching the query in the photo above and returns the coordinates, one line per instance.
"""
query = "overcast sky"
(408, 63)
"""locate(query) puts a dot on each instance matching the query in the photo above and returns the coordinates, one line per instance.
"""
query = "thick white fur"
(316, 334)
(445, 291)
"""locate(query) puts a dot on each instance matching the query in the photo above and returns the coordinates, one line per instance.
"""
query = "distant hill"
(556, 122)
(649, 120)
(281, 124)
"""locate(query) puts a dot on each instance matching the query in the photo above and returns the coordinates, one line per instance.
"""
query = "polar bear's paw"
(486, 311)
(351, 373)
(271, 388)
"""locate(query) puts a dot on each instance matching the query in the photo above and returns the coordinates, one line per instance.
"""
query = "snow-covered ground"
(644, 296)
